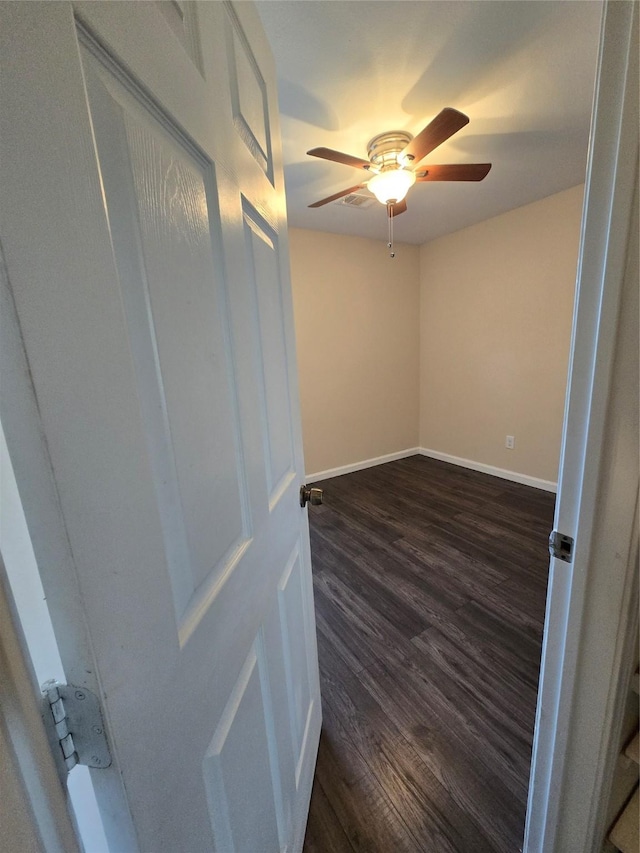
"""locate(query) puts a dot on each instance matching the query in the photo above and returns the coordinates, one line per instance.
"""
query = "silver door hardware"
(74, 719)
(311, 494)
(561, 546)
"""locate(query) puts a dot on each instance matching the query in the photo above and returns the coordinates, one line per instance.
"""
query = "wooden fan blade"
(397, 208)
(336, 195)
(457, 172)
(339, 157)
(444, 125)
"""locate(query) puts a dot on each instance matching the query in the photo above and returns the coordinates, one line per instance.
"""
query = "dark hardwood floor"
(430, 584)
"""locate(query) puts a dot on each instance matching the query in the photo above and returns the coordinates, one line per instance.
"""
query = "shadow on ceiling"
(298, 103)
(483, 41)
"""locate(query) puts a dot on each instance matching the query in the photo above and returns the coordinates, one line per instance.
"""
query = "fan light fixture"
(395, 157)
(391, 186)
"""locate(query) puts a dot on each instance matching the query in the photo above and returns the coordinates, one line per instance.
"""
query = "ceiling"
(522, 70)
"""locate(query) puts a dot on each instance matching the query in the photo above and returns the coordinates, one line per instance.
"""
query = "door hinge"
(73, 719)
(561, 546)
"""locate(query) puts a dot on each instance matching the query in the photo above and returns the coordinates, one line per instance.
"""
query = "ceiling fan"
(394, 156)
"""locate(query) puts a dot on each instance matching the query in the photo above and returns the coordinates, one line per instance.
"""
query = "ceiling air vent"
(356, 200)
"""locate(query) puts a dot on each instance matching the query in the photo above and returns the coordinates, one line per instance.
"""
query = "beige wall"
(357, 330)
(495, 324)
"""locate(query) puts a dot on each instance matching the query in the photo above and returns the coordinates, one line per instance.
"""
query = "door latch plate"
(561, 546)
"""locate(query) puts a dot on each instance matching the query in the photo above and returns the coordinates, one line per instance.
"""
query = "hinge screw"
(79, 694)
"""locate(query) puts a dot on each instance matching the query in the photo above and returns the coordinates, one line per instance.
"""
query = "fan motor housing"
(384, 148)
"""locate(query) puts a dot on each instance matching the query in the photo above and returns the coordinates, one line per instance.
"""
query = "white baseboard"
(360, 466)
(514, 476)
(503, 473)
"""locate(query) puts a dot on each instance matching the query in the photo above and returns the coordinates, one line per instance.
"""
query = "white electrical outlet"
(510, 443)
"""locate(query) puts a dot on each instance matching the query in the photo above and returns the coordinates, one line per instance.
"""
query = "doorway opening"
(430, 584)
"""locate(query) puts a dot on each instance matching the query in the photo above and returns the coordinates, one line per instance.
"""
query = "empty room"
(319, 426)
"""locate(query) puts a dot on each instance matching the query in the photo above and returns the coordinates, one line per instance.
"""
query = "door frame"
(591, 610)
(38, 812)
(33, 472)
(556, 765)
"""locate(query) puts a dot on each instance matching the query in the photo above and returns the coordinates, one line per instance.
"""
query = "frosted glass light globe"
(392, 186)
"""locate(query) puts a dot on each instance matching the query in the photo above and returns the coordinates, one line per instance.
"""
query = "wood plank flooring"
(430, 584)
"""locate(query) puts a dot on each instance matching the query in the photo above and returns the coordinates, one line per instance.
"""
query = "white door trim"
(588, 607)
(30, 460)
(39, 808)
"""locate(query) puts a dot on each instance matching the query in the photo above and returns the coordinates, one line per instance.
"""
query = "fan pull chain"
(392, 254)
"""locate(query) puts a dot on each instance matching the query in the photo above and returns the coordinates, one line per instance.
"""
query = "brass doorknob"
(312, 495)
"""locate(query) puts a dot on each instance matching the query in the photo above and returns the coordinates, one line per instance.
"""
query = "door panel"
(294, 621)
(159, 194)
(248, 711)
(182, 17)
(248, 95)
(263, 271)
(149, 271)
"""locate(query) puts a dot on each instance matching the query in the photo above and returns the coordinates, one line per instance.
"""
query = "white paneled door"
(143, 228)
